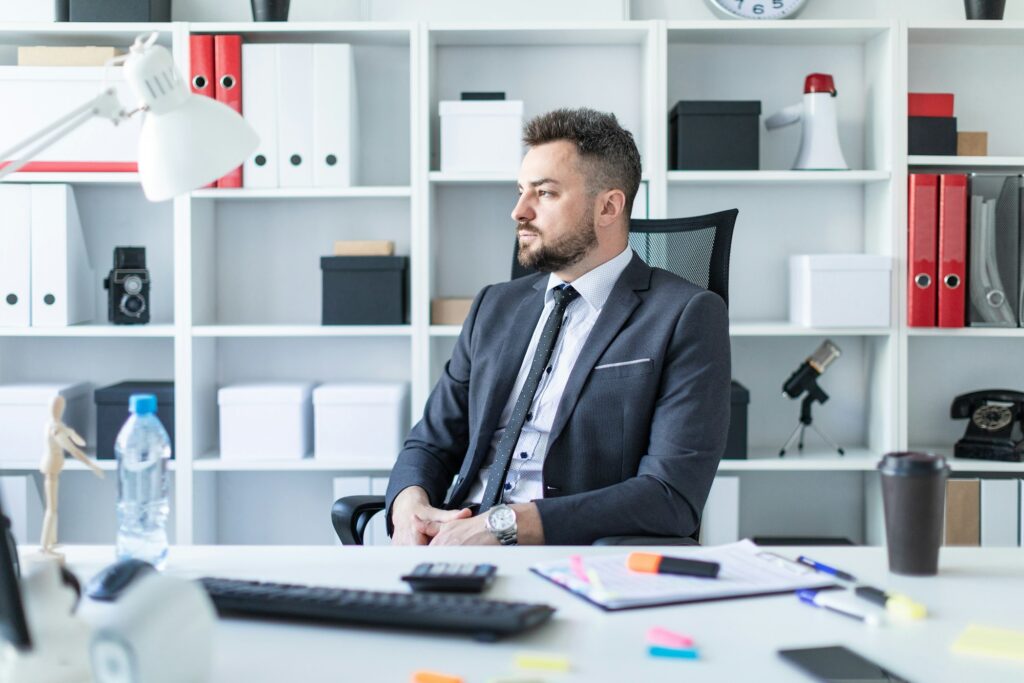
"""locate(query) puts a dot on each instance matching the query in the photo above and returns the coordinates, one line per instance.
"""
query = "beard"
(550, 255)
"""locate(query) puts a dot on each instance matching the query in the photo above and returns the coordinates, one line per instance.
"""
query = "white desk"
(738, 639)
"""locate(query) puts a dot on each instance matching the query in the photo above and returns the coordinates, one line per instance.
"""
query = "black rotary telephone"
(994, 427)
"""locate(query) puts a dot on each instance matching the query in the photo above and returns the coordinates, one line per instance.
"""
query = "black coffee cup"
(914, 496)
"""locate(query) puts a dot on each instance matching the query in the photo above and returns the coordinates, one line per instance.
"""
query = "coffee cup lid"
(910, 463)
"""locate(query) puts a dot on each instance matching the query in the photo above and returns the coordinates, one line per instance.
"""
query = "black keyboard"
(460, 613)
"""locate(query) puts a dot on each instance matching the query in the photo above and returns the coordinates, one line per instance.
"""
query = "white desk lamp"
(186, 141)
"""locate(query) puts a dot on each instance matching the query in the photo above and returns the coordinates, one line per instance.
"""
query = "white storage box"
(25, 412)
(481, 136)
(839, 290)
(361, 420)
(272, 421)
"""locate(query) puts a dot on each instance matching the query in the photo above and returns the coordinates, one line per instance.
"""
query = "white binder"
(335, 117)
(999, 513)
(720, 522)
(259, 104)
(63, 282)
(294, 114)
(15, 255)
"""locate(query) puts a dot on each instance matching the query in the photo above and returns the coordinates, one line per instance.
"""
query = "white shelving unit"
(236, 293)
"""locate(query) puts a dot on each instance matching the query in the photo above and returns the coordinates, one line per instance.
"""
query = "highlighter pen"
(895, 604)
(822, 599)
(651, 563)
(838, 573)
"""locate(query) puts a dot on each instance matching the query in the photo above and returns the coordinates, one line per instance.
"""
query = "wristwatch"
(501, 521)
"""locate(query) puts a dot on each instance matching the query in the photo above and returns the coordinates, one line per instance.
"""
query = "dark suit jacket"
(633, 448)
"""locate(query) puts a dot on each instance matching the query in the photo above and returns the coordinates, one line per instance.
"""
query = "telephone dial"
(994, 429)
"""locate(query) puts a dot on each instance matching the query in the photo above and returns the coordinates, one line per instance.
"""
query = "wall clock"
(756, 9)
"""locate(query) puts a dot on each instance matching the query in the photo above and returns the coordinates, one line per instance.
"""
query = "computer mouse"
(112, 580)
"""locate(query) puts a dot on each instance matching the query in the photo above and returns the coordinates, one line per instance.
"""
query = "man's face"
(554, 217)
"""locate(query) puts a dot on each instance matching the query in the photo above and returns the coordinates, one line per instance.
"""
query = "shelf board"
(74, 178)
(782, 33)
(967, 465)
(977, 32)
(490, 34)
(990, 332)
(357, 32)
(745, 329)
(302, 331)
(358, 192)
(855, 460)
(213, 463)
(92, 330)
(70, 465)
(776, 177)
(965, 162)
(449, 178)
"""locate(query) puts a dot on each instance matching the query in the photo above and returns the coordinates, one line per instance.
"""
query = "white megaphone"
(819, 139)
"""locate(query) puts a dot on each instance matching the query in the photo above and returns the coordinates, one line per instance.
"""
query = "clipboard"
(746, 571)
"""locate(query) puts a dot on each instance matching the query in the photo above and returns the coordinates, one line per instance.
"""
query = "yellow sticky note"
(542, 661)
(990, 642)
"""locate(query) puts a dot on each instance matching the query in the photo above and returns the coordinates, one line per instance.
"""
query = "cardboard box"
(45, 55)
(971, 144)
(360, 420)
(481, 136)
(449, 311)
(715, 135)
(840, 290)
(25, 411)
(271, 421)
(364, 248)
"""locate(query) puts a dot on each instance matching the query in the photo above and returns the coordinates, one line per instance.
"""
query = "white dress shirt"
(525, 480)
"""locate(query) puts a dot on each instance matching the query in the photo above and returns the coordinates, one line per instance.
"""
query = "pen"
(838, 573)
(652, 563)
(895, 604)
(822, 599)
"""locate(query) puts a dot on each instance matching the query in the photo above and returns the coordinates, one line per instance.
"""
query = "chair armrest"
(351, 514)
(646, 540)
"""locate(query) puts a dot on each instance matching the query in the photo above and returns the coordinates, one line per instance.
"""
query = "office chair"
(696, 248)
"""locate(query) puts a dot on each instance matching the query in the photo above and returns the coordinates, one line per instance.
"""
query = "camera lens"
(132, 284)
(132, 305)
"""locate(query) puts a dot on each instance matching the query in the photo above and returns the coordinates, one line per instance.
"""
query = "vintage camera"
(128, 287)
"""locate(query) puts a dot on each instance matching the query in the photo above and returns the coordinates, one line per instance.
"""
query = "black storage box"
(116, 10)
(364, 290)
(934, 135)
(112, 411)
(736, 444)
(714, 135)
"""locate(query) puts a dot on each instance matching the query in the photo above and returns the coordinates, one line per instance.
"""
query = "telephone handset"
(994, 430)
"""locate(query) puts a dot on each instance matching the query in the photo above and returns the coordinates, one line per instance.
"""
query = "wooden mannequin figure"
(59, 438)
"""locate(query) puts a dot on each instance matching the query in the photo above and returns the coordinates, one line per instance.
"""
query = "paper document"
(746, 570)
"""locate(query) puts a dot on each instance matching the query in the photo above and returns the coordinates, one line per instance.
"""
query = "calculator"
(451, 576)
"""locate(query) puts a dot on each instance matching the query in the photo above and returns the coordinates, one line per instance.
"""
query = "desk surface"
(737, 639)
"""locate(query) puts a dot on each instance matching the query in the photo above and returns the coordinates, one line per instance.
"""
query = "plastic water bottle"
(142, 450)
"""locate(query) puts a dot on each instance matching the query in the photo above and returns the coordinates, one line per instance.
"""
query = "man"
(589, 400)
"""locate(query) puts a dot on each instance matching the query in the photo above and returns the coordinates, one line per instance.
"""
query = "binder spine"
(227, 51)
(922, 247)
(952, 250)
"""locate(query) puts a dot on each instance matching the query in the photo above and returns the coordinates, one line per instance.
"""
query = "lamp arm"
(105, 105)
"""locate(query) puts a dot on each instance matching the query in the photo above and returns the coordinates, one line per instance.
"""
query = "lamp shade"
(186, 140)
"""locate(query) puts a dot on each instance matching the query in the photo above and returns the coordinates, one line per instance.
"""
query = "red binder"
(201, 59)
(922, 248)
(930, 104)
(952, 249)
(227, 51)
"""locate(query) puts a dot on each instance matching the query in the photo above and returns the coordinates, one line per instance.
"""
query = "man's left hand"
(471, 531)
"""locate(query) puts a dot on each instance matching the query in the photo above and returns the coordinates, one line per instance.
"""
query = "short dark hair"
(607, 150)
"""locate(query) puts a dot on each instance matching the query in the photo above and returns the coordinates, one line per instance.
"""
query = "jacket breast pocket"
(621, 370)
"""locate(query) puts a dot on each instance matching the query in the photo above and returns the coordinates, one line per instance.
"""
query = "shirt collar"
(595, 286)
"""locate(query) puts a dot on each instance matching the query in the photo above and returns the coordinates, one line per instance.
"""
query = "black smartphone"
(836, 664)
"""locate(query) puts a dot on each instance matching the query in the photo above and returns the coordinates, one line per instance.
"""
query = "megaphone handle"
(785, 116)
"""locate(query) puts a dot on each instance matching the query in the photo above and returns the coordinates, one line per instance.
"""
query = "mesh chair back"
(696, 248)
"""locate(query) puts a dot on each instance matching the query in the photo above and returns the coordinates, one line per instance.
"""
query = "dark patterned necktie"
(503, 454)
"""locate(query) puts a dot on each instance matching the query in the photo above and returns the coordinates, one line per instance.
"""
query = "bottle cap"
(819, 83)
(142, 404)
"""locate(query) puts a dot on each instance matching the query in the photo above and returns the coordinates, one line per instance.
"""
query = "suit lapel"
(616, 311)
(510, 358)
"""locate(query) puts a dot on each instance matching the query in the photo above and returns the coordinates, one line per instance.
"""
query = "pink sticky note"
(657, 635)
(576, 565)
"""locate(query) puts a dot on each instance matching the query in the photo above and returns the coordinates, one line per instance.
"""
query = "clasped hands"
(416, 522)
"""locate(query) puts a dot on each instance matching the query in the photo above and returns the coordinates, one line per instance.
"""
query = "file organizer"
(294, 121)
(259, 102)
(63, 282)
(994, 251)
(335, 117)
(15, 255)
(227, 68)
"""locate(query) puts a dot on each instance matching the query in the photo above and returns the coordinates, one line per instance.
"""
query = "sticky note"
(434, 677)
(657, 635)
(672, 652)
(902, 607)
(990, 642)
(542, 661)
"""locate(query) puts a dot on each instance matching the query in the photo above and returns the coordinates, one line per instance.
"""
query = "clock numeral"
(739, 4)
(758, 9)
(778, 4)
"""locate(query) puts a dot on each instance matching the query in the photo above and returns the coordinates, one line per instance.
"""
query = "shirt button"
(549, 369)
(529, 416)
(508, 486)
(524, 455)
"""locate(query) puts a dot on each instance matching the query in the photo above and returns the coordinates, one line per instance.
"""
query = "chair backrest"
(696, 248)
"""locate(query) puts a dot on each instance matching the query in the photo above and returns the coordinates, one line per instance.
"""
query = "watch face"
(758, 9)
(501, 518)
